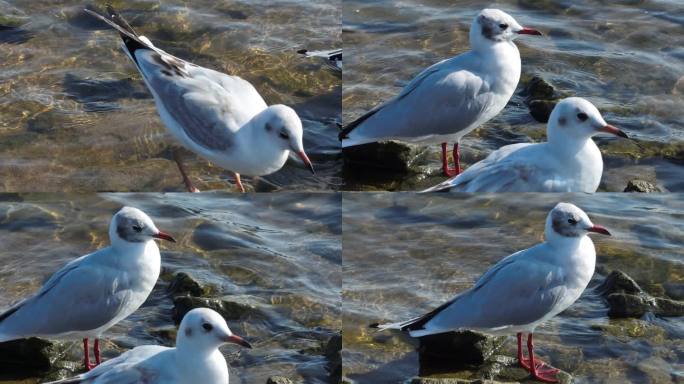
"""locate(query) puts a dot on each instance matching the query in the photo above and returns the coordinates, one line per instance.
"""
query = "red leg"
(540, 371)
(186, 180)
(238, 182)
(521, 358)
(457, 159)
(97, 351)
(86, 353)
(445, 161)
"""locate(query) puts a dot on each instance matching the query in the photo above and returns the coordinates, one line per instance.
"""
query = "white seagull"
(569, 161)
(523, 290)
(196, 358)
(451, 98)
(220, 117)
(92, 293)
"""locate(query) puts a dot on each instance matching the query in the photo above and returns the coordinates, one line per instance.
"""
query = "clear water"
(76, 116)
(280, 253)
(405, 254)
(624, 56)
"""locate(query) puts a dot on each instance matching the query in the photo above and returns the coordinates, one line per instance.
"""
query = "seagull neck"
(561, 144)
(563, 242)
(129, 248)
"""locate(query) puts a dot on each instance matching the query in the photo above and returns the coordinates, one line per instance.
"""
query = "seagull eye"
(582, 116)
(284, 135)
(572, 221)
(207, 327)
(137, 228)
(503, 26)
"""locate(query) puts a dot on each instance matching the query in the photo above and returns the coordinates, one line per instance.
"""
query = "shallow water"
(279, 253)
(76, 116)
(624, 56)
(405, 254)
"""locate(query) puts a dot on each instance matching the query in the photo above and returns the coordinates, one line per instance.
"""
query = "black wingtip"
(374, 325)
(302, 51)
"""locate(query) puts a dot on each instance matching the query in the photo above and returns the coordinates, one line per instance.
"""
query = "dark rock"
(333, 353)
(26, 357)
(626, 305)
(228, 309)
(674, 290)
(541, 109)
(539, 89)
(449, 351)
(618, 281)
(668, 307)
(278, 380)
(184, 284)
(643, 186)
(388, 156)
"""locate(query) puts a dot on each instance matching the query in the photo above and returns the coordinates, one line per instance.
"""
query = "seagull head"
(568, 221)
(131, 225)
(494, 26)
(575, 118)
(202, 329)
(284, 128)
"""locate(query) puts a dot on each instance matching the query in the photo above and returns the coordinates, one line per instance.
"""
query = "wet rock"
(184, 284)
(540, 97)
(626, 299)
(228, 309)
(26, 356)
(541, 109)
(387, 156)
(626, 305)
(674, 290)
(278, 380)
(448, 351)
(618, 282)
(333, 353)
(643, 186)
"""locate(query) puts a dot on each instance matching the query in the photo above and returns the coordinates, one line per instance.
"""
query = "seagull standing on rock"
(453, 97)
(196, 358)
(569, 161)
(220, 117)
(92, 293)
(523, 290)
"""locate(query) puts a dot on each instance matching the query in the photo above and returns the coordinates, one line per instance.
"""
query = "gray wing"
(79, 297)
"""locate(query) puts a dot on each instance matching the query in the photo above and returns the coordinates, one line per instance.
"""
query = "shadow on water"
(100, 95)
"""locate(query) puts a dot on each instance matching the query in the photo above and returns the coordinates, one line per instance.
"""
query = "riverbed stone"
(184, 284)
(383, 156)
(625, 298)
(643, 186)
(449, 351)
(540, 97)
(333, 353)
(279, 380)
(230, 310)
(618, 282)
(26, 356)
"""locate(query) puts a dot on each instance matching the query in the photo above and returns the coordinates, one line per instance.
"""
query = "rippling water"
(280, 253)
(624, 56)
(405, 254)
(76, 116)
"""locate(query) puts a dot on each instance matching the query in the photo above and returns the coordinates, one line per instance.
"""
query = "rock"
(450, 380)
(618, 281)
(669, 307)
(26, 357)
(278, 380)
(449, 351)
(643, 186)
(385, 156)
(626, 305)
(333, 353)
(541, 109)
(228, 309)
(674, 290)
(184, 284)
(626, 299)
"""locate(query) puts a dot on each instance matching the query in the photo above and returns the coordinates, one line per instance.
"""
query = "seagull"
(453, 97)
(333, 57)
(92, 293)
(220, 117)
(569, 161)
(523, 290)
(195, 359)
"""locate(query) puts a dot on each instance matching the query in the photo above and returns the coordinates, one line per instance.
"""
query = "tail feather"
(130, 38)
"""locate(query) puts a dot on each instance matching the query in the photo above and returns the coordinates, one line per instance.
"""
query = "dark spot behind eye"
(503, 25)
(582, 116)
(137, 228)
(284, 135)
(207, 327)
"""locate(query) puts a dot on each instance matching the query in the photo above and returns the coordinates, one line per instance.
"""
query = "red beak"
(613, 130)
(235, 339)
(599, 229)
(306, 161)
(164, 236)
(529, 31)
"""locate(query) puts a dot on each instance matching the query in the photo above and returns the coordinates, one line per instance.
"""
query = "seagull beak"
(529, 31)
(613, 130)
(164, 236)
(235, 339)
(302, 155)
(599, 229)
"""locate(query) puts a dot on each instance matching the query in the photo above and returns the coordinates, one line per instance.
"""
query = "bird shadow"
(101, 95)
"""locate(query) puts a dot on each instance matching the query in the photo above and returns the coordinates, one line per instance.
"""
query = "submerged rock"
(25, 357)
(333, 353)
(626, 299)
(643, 186)
(448, 351)
(386, 156)
(279, 380)
(228, 309)
(540, 97)
(184, 284)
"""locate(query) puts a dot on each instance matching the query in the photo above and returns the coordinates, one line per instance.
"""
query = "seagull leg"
(238, 182)
(86, 353)
(525, 363)
(457, 159)
(445, 161)
(96, 349)
(540, 370)
(181, 168)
